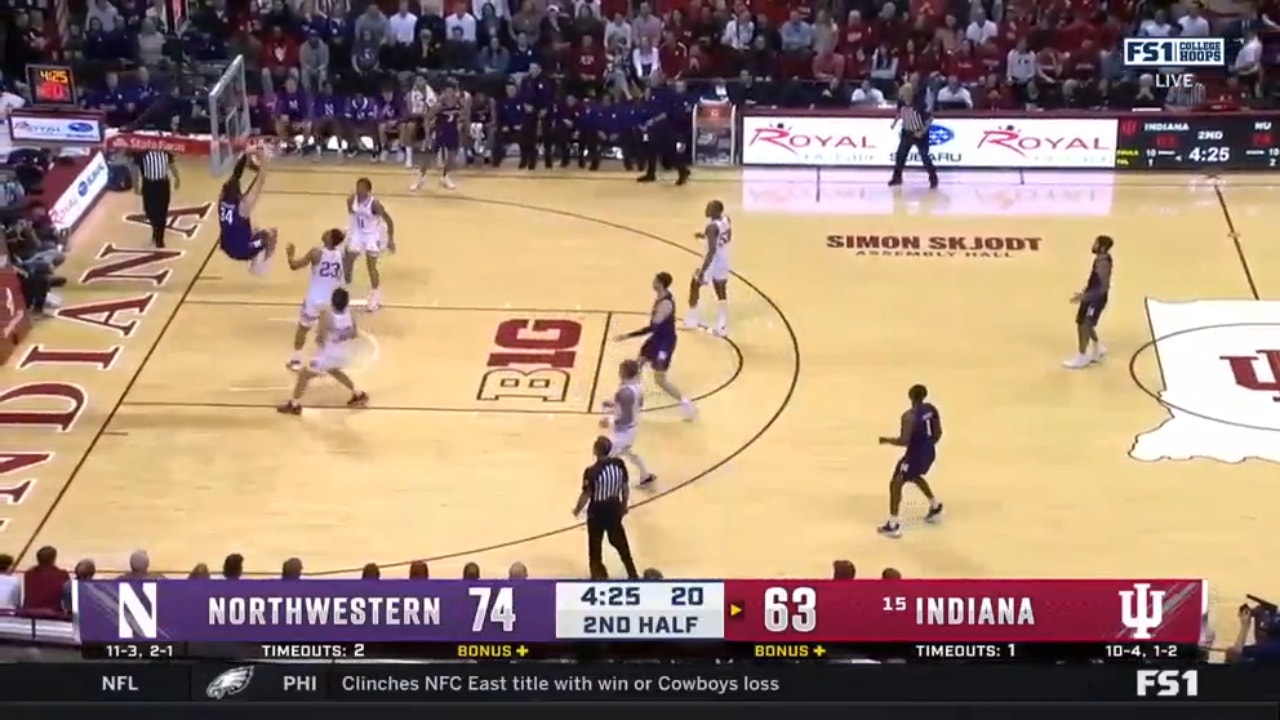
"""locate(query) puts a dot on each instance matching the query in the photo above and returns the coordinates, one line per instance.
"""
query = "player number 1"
(499, 609)
(778, 615)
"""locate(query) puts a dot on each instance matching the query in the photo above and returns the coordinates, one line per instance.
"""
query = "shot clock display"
(52, 85)
(1190, 142)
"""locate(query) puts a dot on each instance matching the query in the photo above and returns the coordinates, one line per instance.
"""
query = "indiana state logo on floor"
(1220, 360)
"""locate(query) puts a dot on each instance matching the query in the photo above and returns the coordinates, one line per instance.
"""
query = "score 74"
(498, 608)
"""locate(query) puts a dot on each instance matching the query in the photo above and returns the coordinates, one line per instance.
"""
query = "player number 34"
(497, 607)
(794, 610)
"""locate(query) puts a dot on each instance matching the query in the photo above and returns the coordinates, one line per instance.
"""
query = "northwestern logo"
(138, 616)
(940, 135)
(1142, 610)
(80, 127)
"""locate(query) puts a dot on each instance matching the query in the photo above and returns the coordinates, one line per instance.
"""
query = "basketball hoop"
(190, 145)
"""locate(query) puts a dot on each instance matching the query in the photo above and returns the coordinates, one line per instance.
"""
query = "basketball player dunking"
(334, 336)
(624, 417)
(660, 344)
(370, 230)
(1091, 302)
(714, 270)
(919, 435)
(446, 126)
(326, 263)
(238, 238)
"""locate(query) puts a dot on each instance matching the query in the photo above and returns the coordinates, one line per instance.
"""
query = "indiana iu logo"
(1142, 610)
(1220, 363)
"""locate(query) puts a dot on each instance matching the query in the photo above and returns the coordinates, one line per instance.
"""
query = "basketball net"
(192, 145)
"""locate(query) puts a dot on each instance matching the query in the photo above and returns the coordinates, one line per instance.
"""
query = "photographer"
(1264, 620)
(34, 262)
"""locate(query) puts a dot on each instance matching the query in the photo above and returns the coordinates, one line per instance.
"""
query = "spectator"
(527, 22)
(313, 57)
(1265, 650)
(365, 55)
(1193, 24)
(1146, 95)
(647, 25)
(587, 22)
(884, 66)
(372, 24)
(85, 570)
(867, 95)
(739, 32)
(371, 572)
(139, 566)
(1020, 65)
(522, 57)
(651, 574)
(233, 566)
(953, 96)
(42, 584)
(23, 45)
(980, 29)
(825, 33)
(214, 22)
(495, 59)
(280, 59)
(157, 12)
(246, 45)
(461, 23)
(644, 61)
(199, 572)
(457, 52)
(618, 32)
(1158, 26)
(10, 584)
(890, 574)
(403, 25)
(797, 35)
(843, 570)
(471, 571)
(107, 15)
(518, 572)
(418, 570)
(595, 7)
(1248, 66)
(828, 66)
(949, 35)
(291, 569)
(490, 26)
(150, 45)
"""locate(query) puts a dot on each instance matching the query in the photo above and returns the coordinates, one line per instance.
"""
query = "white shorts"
(330, 357)
(365, 243)
(718, 270)
(623, 439)
(310, 312)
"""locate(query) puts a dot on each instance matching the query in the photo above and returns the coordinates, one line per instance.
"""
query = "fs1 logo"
(1168, 683)
(1147, 52)
(139, 618)
(1142, 610)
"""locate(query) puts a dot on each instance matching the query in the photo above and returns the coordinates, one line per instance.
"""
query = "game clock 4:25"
(1190, 142)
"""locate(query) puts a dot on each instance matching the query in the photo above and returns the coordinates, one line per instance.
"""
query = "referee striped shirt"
(606, 480)
(1186, 97)
(155, 165)
(911, 119)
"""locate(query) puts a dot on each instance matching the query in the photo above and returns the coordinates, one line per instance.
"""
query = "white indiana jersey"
(365, 230)
(335, 349)
(420, 101)
(326, 276)
(719, 270)
(624, 436)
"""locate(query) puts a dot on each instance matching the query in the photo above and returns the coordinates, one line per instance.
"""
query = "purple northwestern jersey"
(921, 448)
(446, 131)
(361, 109)
(237, 238)
(389, 109)
(661, 343)
(291, 106)
(325, 106)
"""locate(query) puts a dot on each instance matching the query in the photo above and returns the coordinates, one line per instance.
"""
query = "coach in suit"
(913, 117)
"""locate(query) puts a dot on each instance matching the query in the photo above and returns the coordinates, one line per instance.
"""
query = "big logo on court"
(1220, 360)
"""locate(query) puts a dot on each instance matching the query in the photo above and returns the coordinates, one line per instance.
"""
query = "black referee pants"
(155, 205)
(604, 519)
(661, 147)
(921, 143)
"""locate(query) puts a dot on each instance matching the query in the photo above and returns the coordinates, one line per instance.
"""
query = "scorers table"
(1116, 643)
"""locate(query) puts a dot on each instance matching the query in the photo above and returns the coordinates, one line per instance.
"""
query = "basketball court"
(143, 417)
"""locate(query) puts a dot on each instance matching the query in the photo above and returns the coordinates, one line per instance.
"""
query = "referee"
(155, 169)
(914, 133)
(605, 488)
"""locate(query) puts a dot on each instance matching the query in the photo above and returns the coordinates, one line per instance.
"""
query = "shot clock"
(52, 85)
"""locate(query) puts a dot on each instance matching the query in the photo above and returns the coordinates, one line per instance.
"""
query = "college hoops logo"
(1220, 362)
(1142, 610)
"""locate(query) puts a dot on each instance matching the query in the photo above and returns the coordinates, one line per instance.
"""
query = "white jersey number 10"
(498, 608)
(794, 611)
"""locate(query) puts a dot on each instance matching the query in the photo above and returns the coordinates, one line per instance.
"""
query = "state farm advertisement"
(1007, 143)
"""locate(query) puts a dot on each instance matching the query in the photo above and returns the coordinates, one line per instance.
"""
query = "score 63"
(794, 610)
